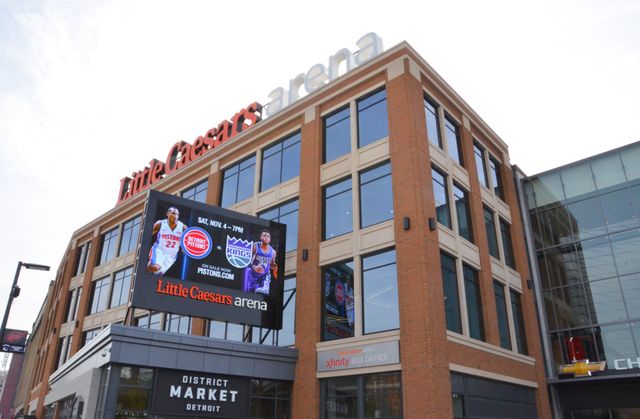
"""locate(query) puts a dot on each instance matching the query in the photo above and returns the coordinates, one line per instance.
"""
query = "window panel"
(453, 140)
(608, 171)
(376, 196)
(474, 302)
(372, 118)
(631, 290)
(83, 256)
(338, 219)
(586, 218)
(503, 317)
(337, 134)
(121, 287)
(337, 301)
(518, 323)
(606, 302)
(285, 214)
(596, 259)
(577, 180)
(197, 193)
(626, 248)
(463, 213)
(237, 184)
(496, 178)
(109, 246)
(280, 162)
(507, 244)
(450, 287)
(630, 158)
(380, 292)
(433, 123)
(177, 323)
(481, 167)
(286, 335)
(441, 197)
(619, 210)
(492, 237)
(100, 295)
(130, 232)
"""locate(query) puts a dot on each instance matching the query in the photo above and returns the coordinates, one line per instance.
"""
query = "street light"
(15, 291)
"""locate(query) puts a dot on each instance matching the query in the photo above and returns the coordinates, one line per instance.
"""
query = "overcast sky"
(92, 90)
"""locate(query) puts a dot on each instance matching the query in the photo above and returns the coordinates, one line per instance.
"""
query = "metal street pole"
(12, 293)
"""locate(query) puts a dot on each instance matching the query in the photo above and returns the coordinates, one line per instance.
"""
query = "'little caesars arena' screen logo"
(238, 252)
(196, 243)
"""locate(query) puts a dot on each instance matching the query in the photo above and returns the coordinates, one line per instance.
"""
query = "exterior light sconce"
(406, 223)
(305, 254)
(432, 223)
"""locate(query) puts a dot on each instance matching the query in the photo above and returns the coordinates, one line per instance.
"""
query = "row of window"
(467, 283)
(461, 205)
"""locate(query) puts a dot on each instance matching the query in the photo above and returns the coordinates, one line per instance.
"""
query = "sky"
(91, 91)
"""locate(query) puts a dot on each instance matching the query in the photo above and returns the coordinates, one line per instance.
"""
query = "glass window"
(83, 256)
(372, 118)
(286, 214)
(287, 335)
(450, 287)
(518, 322)
(280, 161)
(608, 171)
(225, 330)
(453, 140)
(109, 245)
(433, 122)
(338, 219)
(269, 399)
(380, 293)
(492, 238)
(496, 178)
(88, 335)
(586, 218)
(337, 301)
(441, 197)
(197, 193)
(481, 167)
(626, 248)
(150, 321)
(595, 259)
(474, 302)
(100, 295)
(134, 392)
(237, 183)
(631, 291)
(607, 301)
(376, 196)
(337, 134)
(177, 323)
(507, 244)
(121, 287)
(368, 396)
(619, 210)
(463, 213)
(630, 158)
(130, 232)
(503, 317)
(577, 180)
(72, 304)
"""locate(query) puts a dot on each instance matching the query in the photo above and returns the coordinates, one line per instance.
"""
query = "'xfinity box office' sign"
(205, 261)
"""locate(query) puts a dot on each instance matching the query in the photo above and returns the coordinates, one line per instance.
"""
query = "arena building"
(406, 289)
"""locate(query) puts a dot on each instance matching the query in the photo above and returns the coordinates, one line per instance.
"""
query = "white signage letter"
(370, 46)
(279, 100)
(316, 78)
(175, 391)
(335, 60)
(294, 87)
(617, 365)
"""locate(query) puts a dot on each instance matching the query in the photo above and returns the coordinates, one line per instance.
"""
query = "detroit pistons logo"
(196, 243)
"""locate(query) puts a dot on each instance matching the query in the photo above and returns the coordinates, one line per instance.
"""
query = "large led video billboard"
(205, 261)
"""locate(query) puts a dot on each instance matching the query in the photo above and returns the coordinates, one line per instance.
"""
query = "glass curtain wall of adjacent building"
(585, 220)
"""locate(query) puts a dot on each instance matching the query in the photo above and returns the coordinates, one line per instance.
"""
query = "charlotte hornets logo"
(238, 252)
